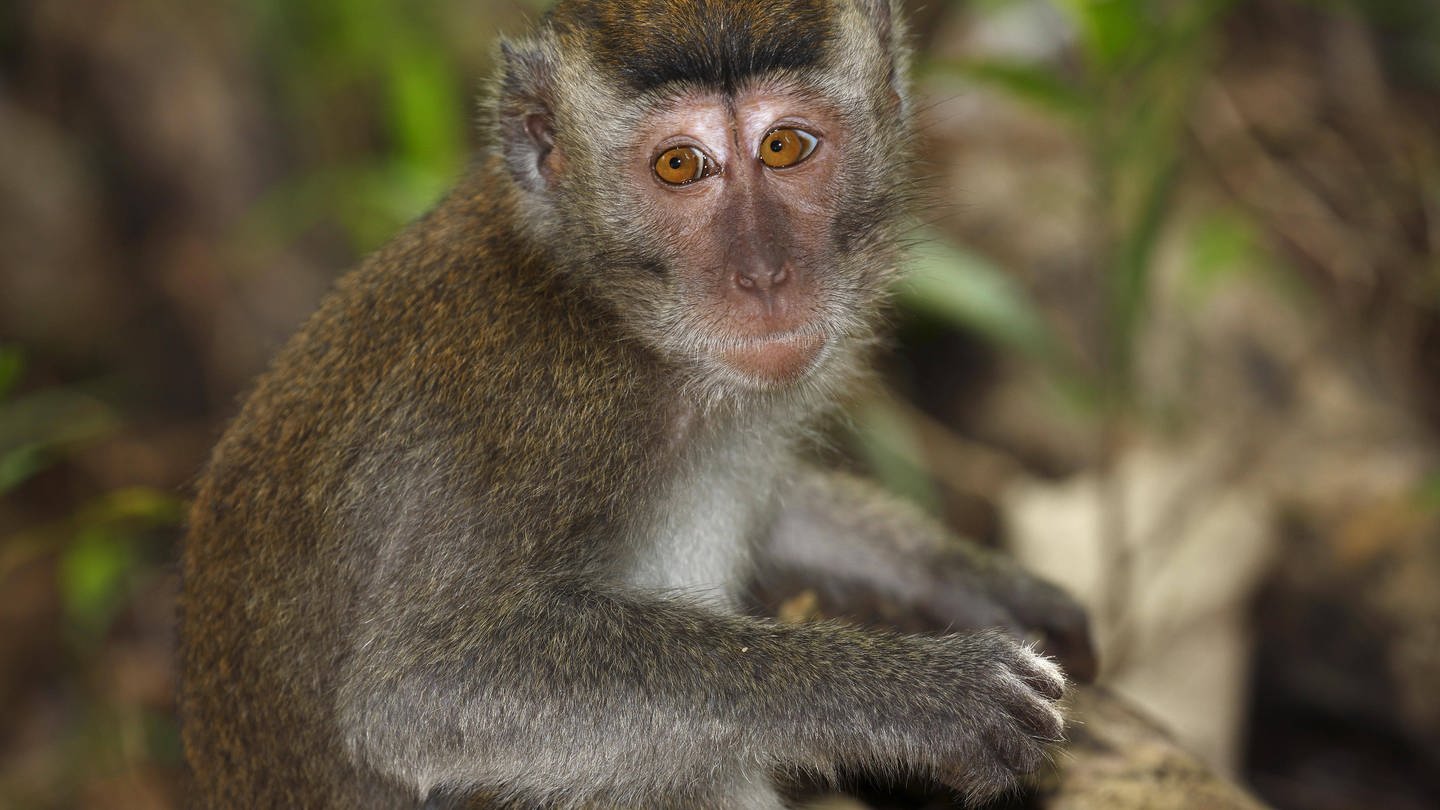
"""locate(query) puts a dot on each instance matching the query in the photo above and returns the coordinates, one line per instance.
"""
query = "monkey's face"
(729, 180)
(744, 235)
(737, 197)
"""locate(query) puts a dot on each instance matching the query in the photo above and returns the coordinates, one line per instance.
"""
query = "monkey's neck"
(694, 537)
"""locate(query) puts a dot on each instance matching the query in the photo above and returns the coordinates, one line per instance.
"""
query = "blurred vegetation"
(1125, 95)
(104, 552)
(347, 118)
(324, 57)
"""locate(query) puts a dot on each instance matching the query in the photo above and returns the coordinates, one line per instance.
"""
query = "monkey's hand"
(1008, 716)
(872, 558)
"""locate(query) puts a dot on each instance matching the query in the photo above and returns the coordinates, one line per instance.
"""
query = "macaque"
(480, 535)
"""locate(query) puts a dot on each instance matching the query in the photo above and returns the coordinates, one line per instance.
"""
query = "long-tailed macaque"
(480, 535)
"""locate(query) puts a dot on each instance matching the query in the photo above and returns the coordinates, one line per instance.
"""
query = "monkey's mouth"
(774, 359)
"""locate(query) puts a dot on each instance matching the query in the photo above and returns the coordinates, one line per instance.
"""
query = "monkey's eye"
(683, 164)
(785, 147)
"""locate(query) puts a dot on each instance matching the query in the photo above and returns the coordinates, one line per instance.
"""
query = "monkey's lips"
(775, 359)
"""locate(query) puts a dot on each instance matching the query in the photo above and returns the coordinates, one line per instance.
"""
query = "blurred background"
(1173, 338)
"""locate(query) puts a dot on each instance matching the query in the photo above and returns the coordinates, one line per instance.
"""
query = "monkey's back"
(429, 399)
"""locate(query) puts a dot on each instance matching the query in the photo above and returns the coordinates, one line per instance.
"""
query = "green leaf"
(99, 566)
(968, 291)
(93, 575)
(12, 365)
(136, 507)
(1036, 85)
(425, 109)
(1130, 277)
(888, 444)
(20, 464)
(1222, 244)
(39, 429)
(1430, 492)
(1110, 30)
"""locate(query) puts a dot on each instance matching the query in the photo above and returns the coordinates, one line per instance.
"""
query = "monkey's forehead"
(719, 43)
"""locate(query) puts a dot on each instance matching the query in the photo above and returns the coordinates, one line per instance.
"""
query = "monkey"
(480, 536)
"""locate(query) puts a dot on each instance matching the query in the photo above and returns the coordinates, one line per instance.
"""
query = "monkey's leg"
(869, 555)
(568, 694)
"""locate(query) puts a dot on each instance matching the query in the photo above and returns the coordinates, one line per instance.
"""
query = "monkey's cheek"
(774, 361)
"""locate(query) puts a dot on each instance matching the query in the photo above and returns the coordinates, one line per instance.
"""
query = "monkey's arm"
(870, 555)
(568, 690)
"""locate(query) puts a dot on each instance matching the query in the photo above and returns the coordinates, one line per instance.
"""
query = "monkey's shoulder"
(453, 312)
(447, 362)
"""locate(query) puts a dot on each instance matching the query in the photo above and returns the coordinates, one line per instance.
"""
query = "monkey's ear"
(885, 22)
(525, 124)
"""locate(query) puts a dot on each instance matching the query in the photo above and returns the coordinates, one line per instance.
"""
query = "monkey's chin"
(774, 361)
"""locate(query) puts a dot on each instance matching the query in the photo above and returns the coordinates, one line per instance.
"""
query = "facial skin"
(745, 236)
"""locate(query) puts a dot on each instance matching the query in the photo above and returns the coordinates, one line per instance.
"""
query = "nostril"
(761, 278)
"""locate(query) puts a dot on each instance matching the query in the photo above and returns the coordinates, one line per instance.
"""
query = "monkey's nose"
(761, 278)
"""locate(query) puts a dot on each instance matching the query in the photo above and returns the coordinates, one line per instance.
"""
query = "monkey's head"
(727, 174)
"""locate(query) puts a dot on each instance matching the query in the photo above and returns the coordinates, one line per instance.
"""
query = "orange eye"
(683, 164)
(785, 147)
